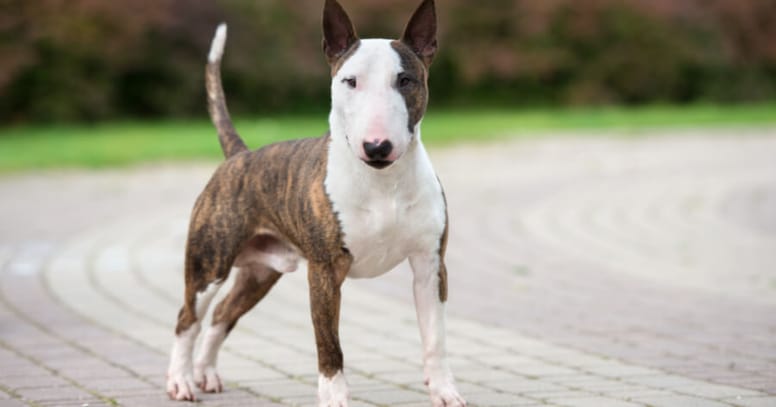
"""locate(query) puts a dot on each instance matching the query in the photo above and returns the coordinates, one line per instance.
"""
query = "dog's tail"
(231, 143)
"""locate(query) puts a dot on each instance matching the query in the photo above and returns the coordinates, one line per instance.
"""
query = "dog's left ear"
(420, 34)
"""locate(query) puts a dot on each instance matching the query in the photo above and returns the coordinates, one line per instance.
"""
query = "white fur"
(203, 298)
(390, 214)
(180, 380)
(386, 214)
(374, 110)
(281, 257)
(205, 373)
(431, 320)
(217, 46)
(333, 392)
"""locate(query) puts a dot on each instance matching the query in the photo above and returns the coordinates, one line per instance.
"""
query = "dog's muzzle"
(377, 153)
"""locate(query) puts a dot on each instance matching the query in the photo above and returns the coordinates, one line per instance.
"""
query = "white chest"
(382, 234)
(386, 216)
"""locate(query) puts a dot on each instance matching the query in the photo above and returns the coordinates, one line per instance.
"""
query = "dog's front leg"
(325, 282)
(430, 289)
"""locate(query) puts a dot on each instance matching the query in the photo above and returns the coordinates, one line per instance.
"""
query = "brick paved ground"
(584, 272)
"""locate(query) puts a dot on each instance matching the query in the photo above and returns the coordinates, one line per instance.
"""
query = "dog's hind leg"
(210, 252)
(251, 284)
(180, 381)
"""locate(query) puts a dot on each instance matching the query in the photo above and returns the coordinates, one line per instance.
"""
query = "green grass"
(122, 143)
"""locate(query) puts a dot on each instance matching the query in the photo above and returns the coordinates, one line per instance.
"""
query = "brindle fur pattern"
(274, 199)
(277, 192)
(231, 143)
(248, 290)
(442, 251)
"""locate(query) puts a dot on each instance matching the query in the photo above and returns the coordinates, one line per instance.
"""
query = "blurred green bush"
(86, 60)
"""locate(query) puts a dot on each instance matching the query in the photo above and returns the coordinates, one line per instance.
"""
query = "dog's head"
(379, 87)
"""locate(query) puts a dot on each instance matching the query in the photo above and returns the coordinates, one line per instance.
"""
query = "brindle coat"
(263, 198)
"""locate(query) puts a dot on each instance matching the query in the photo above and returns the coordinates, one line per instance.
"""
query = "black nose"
(378, 151)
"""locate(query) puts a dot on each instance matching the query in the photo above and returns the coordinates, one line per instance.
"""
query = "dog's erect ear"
(420, 34)
(338, 32)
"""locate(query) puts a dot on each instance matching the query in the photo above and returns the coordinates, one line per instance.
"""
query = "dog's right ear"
(420, 34)
(338, 32)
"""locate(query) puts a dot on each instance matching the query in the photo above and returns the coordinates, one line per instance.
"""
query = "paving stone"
(620, 371)
(593, 402)
(491, 375)
(525, 386)
(284, 390)
(29, 382)
(753, 401)
(156, 399)
(636, 392)
(716, 391)
(58, 393)
(542, 370)
(114, 386)
(558, 395)
(359, 403)
(498, 399)
(387, 397)
(78, 403)
(680, 401)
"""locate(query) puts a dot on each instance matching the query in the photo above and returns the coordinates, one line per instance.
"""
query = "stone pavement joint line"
(584, 272)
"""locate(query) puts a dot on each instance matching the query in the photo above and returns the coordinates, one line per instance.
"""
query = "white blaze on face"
(374, 110)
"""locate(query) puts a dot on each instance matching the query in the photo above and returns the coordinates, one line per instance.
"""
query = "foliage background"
(93, 60)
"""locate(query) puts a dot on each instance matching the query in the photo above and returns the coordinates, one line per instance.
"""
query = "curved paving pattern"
(584, 272)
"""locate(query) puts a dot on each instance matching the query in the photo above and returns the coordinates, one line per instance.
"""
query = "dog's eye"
(405, 81)
(350, 81)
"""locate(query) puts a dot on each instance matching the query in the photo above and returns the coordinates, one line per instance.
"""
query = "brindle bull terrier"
(353, 203)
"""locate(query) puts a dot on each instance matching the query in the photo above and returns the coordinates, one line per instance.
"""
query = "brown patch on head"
(339, 61)
(412, 83)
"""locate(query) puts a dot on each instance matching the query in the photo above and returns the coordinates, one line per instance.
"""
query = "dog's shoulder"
(290, 183)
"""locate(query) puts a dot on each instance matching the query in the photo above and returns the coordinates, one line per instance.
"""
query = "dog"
(353, 203)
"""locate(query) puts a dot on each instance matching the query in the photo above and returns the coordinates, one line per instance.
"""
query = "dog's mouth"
(378, 164)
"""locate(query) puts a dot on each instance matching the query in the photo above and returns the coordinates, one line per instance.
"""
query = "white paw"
(443, 392)
(180, 387)
(207, 379)
(333, 392)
